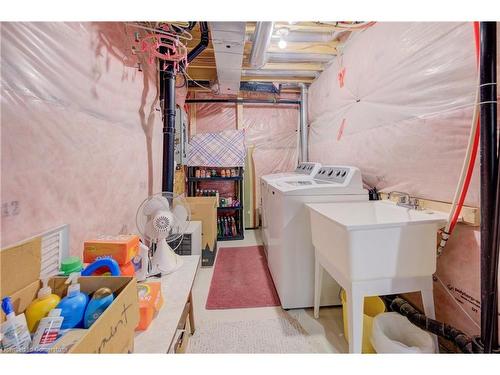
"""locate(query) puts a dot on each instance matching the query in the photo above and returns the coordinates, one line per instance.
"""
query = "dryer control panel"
(333, 173)
(308, 168)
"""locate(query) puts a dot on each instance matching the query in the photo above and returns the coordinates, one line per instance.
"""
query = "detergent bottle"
(40, 307)
(100, 301)
(73, 305)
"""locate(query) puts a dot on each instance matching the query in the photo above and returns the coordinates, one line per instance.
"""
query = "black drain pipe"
(167, 92)
(457, 337)
(200, 47)
(167, 183)
(489, 177)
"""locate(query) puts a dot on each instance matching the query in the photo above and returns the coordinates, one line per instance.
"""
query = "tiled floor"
(327, 331)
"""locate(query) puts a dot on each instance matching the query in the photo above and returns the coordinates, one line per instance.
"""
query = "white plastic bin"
(394, 333)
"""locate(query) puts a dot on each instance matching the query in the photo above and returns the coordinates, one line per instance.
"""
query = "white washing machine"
(305, 170)
(290, 252)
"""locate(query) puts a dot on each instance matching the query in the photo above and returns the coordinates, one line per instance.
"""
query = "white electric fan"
(161, 219)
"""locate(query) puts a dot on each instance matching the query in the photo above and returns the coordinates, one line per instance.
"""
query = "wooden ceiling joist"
(203, 68)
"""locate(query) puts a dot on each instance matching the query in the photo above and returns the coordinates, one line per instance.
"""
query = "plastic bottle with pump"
(40, 307)
(15, 334)
(73, 305)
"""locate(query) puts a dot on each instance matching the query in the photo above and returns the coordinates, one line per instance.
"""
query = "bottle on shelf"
(223, 173)
(234, 232)
(226, 227)
(197, 173)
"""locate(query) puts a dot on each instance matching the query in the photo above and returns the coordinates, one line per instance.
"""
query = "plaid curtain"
(224, 149)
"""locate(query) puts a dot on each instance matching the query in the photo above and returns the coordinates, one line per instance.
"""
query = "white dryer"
(303, 171)
(290, 252)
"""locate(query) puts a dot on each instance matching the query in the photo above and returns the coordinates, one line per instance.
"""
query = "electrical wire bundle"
(163, 41)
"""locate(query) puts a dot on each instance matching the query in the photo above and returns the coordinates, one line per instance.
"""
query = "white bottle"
(15, 334)
(141, 273)
(47, 331)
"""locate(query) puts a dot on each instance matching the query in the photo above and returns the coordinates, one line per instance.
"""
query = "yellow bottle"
(40, 307)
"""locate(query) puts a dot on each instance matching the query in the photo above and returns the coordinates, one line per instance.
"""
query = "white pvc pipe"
(463, 173)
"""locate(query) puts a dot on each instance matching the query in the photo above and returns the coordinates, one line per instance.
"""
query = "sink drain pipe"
(457, 337)
(167, 96)
(490, 194)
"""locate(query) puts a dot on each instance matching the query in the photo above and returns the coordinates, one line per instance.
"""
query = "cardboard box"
(121, 248)
(204, 209)
(150, 302)
(113, 332)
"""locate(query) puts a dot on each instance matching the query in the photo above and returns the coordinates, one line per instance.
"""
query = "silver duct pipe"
(305, 36)
(309, 37)
(279, 73)
(298, 57)
(304, 147)
(261, 41)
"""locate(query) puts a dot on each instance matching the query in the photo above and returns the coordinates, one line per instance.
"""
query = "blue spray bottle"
(73, 305)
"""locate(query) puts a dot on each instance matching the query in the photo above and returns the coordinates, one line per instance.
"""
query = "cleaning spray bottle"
(40, 307)
(73, 305)
(15, 334)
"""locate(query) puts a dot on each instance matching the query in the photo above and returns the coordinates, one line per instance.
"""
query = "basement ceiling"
(309, 47)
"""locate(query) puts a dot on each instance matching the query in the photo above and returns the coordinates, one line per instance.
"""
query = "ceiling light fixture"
(283, 32)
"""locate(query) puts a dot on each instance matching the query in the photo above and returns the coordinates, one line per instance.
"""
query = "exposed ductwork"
(287, 57)
(279, 73)
(261, 41)
(309, 37)
(228, 39)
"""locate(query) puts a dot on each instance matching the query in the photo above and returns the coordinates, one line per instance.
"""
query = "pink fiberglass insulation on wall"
(270, 129)
(397, 103)
(81, 136)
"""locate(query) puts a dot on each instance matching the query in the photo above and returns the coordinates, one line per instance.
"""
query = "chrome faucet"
(405, 200)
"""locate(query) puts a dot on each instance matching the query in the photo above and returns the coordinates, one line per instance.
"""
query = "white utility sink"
(376, 239)
(374, 248)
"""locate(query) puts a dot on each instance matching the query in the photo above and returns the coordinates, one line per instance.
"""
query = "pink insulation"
(271, 129)
(397, 103)
(81, 136)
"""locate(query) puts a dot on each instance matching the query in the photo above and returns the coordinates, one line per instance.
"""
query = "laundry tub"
(372, 307)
